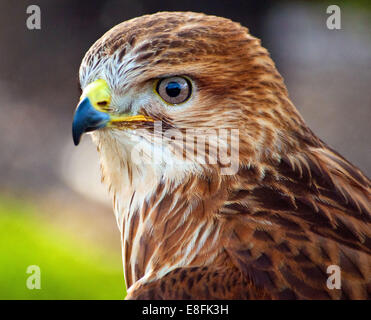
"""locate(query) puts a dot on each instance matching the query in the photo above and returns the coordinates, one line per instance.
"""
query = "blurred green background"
(54, 213)
(70, 268)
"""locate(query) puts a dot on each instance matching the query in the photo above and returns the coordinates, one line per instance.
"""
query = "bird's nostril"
(102, 103)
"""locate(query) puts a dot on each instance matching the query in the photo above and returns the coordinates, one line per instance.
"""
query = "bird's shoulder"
(288, 224)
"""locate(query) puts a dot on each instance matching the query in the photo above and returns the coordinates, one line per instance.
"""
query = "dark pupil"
(173, 89)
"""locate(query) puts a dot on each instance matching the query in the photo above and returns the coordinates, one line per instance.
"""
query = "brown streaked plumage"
(270, 231)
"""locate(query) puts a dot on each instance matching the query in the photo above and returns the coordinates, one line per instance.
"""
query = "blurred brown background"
(327, 73)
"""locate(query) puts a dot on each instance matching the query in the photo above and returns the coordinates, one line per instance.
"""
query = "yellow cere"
(99, 94)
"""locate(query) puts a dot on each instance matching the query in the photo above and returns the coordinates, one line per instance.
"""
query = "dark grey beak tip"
(76, 136)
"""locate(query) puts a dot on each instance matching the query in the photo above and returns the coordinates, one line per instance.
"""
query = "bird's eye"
(174, 90)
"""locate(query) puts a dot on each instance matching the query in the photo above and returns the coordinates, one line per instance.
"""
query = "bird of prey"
(291, 210)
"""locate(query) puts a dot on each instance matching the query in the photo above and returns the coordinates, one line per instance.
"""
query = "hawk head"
(187, 71)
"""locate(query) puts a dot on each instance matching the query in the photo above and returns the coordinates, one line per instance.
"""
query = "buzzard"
(268, 224)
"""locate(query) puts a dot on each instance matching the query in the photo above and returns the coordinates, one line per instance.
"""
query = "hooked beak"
(86, 119)
(92, 113)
